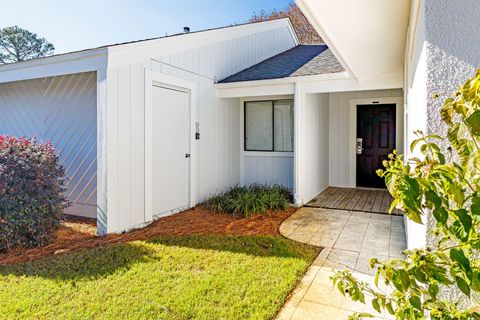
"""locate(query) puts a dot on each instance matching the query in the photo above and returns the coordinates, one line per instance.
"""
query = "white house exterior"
(435, 44)
(96, 106)
(149, 128)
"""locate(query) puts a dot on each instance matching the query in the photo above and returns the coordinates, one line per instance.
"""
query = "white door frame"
(399, 130)
(163, 80)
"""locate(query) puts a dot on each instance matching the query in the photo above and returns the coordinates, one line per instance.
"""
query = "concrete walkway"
(349, 239)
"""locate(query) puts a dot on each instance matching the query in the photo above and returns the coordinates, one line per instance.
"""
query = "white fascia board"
(144, 50)
(256, 91)
(335, 82)
(253, 83)
(76, 62)
(388, 80)
(292, 32)
(272, 86)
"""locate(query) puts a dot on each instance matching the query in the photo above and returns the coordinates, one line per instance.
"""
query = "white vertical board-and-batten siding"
(339, 131)
(313, 145)
(61, 110)
(218, 150)
(274, 168)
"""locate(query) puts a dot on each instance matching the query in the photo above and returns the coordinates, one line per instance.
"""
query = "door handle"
(359, 145)
(187, 155)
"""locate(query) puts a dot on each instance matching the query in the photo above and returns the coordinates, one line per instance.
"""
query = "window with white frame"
(269, 126)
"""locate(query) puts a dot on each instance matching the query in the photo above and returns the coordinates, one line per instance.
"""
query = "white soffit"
(367, 36)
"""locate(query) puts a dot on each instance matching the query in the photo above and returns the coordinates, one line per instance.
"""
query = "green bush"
(31, 193)
(249, 200)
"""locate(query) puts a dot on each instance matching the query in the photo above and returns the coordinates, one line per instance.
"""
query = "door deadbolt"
(187, 155)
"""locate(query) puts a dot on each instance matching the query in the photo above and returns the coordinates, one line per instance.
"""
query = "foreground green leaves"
(195, 277)
(445, 183)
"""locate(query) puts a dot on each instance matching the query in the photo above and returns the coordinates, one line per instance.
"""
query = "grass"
(194, 277)
(249, 200)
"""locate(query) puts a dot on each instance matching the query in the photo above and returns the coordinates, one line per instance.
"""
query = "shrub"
(446, 188)
(249, 200)
(31, 193)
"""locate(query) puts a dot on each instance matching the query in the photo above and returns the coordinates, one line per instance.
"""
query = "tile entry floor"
(350, 239)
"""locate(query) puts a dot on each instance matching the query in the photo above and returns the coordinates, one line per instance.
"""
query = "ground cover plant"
(189, 277)
(31, 193)
(245, 201)
(444, 188)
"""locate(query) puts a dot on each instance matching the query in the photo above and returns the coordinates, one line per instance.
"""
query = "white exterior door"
(170, 181)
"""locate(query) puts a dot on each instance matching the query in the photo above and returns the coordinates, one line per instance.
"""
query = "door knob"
(359, 145)
(187, 155)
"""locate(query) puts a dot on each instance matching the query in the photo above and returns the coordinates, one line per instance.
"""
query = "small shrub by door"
(249, 200)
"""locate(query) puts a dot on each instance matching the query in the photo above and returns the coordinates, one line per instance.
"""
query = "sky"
(80, 24)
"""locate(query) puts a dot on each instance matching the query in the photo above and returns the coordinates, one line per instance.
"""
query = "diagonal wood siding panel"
(61, 110)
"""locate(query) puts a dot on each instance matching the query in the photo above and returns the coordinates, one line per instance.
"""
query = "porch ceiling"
(368, 37)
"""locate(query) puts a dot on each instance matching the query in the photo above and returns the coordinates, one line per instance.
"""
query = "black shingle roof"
(298, 61)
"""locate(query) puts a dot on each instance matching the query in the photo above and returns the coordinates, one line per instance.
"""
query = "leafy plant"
(249, 200)
(31, 193)
(446, 188)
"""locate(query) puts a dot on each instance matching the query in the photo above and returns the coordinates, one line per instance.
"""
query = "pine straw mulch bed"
(76, 234)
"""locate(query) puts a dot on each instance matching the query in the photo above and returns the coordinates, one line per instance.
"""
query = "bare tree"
(17, 44)
(306, 33)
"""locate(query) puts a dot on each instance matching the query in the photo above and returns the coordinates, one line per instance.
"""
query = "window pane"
(258, 126)
(283, 126)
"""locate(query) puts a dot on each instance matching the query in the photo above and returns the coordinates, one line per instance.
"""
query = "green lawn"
(195, 277)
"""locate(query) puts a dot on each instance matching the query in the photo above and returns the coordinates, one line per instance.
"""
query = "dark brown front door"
(376, 129)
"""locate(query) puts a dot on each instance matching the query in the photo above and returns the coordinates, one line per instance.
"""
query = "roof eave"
(131, 52)
(266, 82)
(75, 62)
(324, 83)
(293, 32)
(58, 58)
(115, 48)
